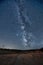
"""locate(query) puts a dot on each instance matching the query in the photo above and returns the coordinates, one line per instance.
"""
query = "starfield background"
(21, 32)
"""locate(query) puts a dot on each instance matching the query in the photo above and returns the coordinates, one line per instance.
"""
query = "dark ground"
(18, 57)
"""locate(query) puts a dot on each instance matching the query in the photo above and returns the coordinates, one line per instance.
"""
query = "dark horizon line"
(21, 49)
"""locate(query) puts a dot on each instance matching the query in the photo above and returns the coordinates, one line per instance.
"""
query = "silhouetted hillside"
(7, 51)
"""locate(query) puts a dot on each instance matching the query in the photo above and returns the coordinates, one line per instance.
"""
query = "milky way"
(25, 23)
(21, 24)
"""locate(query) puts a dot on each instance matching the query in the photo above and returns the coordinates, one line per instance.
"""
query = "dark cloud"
(1, 1)
(41, 1)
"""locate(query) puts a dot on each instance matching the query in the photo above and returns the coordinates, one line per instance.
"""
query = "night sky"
(17, 32)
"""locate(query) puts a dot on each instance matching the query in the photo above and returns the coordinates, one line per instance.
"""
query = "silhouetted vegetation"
(11, 51)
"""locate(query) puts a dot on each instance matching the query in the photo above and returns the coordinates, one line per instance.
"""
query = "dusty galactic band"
(25, 23)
